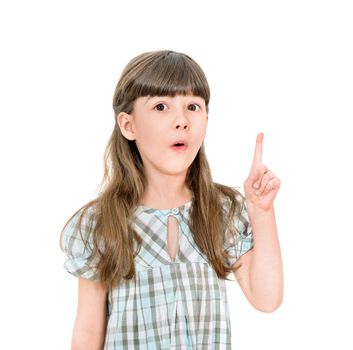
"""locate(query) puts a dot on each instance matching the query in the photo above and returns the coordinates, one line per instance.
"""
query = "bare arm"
(261, 272)
(90, 323)
(260, 275)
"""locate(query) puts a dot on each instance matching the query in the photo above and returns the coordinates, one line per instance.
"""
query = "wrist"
(255, 209)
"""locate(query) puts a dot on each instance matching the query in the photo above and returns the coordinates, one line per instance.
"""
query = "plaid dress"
(170, 304)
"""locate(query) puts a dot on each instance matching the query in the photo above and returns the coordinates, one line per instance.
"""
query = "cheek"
(201, 131)
(150, 139)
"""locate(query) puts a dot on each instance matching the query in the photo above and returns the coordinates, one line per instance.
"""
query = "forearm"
(266, 271)
(83, 340)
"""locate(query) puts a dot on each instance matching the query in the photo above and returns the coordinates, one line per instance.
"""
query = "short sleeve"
(241, 241)
(79, 260)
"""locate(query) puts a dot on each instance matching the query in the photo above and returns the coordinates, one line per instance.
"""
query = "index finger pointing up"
(258, 149)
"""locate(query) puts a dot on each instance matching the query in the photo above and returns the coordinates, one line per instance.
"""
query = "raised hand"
(261, 186)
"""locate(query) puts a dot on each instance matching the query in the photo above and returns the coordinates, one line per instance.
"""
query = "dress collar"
(162, 212)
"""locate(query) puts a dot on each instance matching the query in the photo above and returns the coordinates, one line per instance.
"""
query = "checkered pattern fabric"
(170, 304)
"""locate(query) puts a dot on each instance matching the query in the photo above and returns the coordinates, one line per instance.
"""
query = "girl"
(153, 250)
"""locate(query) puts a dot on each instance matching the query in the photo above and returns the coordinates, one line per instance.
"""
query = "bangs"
(170, 74)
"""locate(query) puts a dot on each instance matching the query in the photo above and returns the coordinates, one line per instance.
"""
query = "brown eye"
(194, 107)
(160, 107)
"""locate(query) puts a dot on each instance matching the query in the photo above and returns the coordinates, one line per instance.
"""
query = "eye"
(160, 107)
(194, 107)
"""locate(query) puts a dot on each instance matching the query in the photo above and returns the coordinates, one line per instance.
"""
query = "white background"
(279, 67)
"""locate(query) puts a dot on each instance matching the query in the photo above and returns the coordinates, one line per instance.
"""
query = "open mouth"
(179, 146)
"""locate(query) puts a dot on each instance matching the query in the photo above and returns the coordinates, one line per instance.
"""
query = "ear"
(126, 125)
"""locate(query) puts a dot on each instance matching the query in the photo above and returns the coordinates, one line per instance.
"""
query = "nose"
(181, 121)
(182, 125)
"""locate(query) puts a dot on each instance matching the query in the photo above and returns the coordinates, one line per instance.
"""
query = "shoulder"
(77, 242)
(78, 229)
(231, 200)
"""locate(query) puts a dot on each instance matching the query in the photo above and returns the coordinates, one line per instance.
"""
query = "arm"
(90, 323)
(260, 275)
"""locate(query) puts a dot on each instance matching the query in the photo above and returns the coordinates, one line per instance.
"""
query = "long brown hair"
(155, 73)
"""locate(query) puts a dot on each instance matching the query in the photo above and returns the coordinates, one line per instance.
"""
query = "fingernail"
(256, 185)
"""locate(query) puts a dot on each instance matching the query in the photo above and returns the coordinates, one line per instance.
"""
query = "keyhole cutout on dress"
(172, 236)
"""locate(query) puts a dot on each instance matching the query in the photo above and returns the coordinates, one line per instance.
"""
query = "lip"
(179, 141)
(178, 148)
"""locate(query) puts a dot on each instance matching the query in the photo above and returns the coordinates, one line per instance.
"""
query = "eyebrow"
(150, 97)
(157, 96)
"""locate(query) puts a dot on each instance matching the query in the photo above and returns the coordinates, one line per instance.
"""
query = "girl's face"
(158, 122)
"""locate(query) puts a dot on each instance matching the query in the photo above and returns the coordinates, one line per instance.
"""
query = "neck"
(166, 192)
